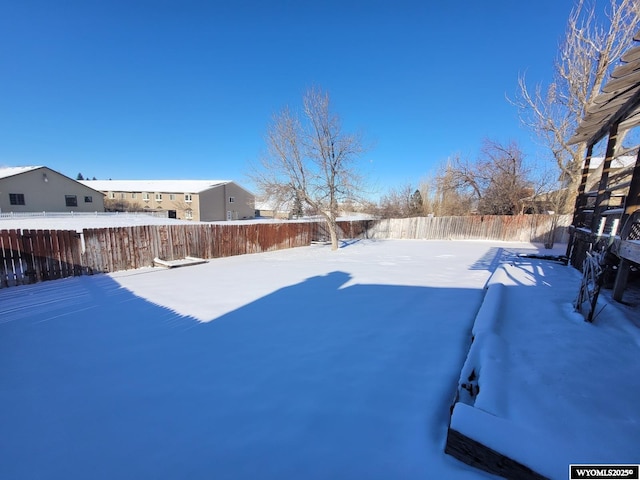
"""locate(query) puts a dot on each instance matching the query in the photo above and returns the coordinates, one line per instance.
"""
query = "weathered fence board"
(10, 265)
(56, 264)
(12, 269)
(30, 256)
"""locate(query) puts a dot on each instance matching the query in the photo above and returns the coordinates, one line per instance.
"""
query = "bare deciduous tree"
(505, 177)
(498, 180)
(445, 196)
(588, 50)
(309, 157)
(401, 202)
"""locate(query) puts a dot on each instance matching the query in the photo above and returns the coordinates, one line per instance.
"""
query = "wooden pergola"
(613, 112)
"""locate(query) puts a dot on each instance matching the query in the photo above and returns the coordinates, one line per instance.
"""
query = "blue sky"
(166, 89)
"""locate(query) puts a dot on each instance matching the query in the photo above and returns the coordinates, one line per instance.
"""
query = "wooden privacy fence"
(513, 228)
(124, 248)
(29, 256)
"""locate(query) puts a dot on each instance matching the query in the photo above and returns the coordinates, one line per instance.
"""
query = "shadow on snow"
(311, 381)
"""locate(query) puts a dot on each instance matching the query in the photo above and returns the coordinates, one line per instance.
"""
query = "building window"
(112, 195)
(232, 199)
(145, 196)
(16, 198)
(133, 195)
(88, 199)
(71, 200)
(123, 196)
(187, 197)
(172, 196)
(158, 197)
(188, 214)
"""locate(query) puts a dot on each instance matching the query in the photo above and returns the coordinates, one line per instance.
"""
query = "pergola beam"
(619, 115)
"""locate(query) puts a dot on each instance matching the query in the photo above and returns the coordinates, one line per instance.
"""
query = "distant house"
(619, 177)
(198, 200)
(266, 209)
(38, 189)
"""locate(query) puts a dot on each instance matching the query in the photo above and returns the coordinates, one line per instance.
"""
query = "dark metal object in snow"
(592, 277)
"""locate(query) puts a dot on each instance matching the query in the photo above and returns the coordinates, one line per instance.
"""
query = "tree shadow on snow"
(490, 260)
(349, 242)
(311, 381)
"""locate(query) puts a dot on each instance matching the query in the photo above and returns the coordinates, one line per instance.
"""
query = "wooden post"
(621, 279)
(580, 199)
(624, 266)
(632, 202)
(601, 202)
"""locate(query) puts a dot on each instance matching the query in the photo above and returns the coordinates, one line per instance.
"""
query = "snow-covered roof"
(11, 171)
(169, 186)
(273, 206)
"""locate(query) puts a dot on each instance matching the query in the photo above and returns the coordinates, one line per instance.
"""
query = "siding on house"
(38, 189)
(197, 200)
(227, 202)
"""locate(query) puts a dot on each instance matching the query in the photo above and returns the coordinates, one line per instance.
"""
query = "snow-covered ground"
(77, 222)
(307, 363)
(84, 220)
(554, 389)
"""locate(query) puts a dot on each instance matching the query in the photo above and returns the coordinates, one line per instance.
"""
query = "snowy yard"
(301, 363)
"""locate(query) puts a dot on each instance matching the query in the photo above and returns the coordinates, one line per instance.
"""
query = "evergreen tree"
(415, 203)
(79, 177)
